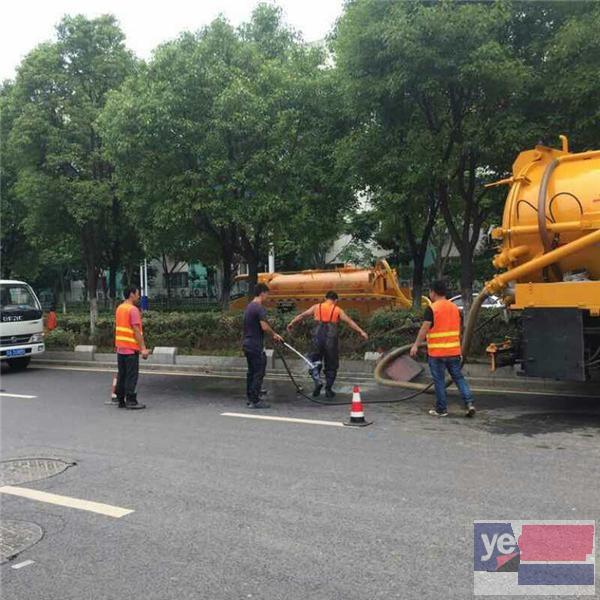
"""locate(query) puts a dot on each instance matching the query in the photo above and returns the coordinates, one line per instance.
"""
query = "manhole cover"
(16, 536)
(24, 470)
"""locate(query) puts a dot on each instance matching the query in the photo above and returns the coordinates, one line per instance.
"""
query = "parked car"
(489, 302)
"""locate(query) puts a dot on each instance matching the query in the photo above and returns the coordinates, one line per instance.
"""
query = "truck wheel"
(19, 364)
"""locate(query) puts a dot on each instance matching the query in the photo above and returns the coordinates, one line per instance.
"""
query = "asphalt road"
(230, 508)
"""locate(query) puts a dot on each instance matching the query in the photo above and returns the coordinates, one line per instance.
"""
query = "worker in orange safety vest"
(129, 344)
(441, 329)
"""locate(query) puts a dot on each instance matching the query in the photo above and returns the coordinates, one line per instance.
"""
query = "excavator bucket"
(404, 368)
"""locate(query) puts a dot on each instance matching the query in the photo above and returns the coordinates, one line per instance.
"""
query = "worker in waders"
(325, 351)
(441, 329)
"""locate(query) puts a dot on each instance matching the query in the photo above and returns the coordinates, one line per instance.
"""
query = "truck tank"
(361, 289)
(554, 199)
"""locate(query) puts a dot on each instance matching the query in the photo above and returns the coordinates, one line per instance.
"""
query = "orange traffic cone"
(113, 393)
(357, 415)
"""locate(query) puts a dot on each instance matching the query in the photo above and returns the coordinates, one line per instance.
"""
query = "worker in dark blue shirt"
(255, 325)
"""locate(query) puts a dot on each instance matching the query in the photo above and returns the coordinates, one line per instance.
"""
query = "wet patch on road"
(586, 424)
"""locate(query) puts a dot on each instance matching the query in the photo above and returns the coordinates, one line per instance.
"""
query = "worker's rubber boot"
(120, 402)
(315, 373)
(330, 375)
(317, 391)
(132, 404)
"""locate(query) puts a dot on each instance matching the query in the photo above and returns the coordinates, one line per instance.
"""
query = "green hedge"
(221, 332)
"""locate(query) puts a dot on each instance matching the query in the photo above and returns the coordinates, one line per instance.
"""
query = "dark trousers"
(127, 378)
(257, 366)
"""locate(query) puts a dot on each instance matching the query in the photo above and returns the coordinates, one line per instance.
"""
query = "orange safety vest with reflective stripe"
(443, 339)
(327, 312)
(124, 334)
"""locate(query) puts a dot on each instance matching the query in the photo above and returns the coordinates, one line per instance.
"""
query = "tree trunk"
(92, 283)
(418, 249)
(466, 280)
(441, 260)
(252, 261)
(112, 283)
(115, 252)
(417, 280)
(226, 261)
(63, 293)
(167, 278)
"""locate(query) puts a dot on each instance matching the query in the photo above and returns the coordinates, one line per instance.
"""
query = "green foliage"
(230, 139)
(571, 77)
(445, 94)
(221, 332)
(232, 132)
(61, 339)
(53, 147)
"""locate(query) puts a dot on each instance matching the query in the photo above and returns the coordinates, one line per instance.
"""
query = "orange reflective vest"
(51, 321)
(443, 338)
(327, 312)
(124, 334)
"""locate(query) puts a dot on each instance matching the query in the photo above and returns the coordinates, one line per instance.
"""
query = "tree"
(444, 77)
(13, 241)
(570, 80)
(63, 177)
(235, 130)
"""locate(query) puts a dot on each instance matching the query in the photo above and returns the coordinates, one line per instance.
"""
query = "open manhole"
(17, 536)
(24, 470)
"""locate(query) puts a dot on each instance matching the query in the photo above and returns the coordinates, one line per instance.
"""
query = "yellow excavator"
(549, 249)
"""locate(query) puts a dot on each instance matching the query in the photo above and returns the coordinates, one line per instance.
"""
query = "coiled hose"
(379, 374)
(421, 388)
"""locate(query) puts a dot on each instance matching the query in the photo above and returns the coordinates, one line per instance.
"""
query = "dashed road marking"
(20, 565)
(25, 396)
(96, 507)
(284, 419)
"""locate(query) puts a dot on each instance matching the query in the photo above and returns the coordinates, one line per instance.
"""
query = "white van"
(21, 324)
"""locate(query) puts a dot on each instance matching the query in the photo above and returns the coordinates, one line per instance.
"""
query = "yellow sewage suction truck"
(550, 248)
(361, 289)
(549, 251)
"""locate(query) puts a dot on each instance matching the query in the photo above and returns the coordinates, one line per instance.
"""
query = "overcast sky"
(146, 23)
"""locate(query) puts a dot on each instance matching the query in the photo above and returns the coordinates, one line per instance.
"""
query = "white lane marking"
(285, 419)
(20, 565)
(7, 395)
(96, 507)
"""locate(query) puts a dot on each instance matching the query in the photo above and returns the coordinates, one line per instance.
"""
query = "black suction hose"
(337, 403)
(419, 388)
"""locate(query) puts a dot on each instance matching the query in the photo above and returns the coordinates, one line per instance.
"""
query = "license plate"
(16, 352)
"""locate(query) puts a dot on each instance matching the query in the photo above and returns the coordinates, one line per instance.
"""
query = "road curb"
(352, 372)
